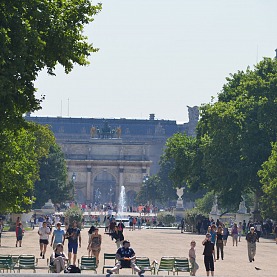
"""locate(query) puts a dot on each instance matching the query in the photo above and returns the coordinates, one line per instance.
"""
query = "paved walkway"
(155, 243)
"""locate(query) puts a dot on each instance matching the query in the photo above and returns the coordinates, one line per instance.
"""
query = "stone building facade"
(104, 154)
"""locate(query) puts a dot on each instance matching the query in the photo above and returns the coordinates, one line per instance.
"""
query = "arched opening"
(104, 188)
(131, 198)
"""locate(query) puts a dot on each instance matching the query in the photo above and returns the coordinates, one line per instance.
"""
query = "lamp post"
(144, 183)
(73, 178)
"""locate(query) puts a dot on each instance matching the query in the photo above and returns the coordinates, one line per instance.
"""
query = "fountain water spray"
(122, 201)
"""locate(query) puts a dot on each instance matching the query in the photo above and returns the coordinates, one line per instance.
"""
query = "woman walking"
(234, 234)
(219, 242)
(94, 245)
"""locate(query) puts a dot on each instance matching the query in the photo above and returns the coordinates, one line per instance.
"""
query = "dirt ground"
(155, 243)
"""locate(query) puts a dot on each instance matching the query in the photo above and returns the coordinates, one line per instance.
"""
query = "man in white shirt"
(44, 233)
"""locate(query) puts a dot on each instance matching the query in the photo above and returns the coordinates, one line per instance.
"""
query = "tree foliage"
(20, 152)
(235, 133)
(268, 175)
(35, 35)
(234, 137)
(52, 183)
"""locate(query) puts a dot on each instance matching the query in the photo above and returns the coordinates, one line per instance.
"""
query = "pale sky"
(159, 56)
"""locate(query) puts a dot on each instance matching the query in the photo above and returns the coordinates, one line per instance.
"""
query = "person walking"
(73, 234)
(251, 238)
(219, 242)
(94, 245)
(1, 229)
(225, 235)
(118, 237)
(58, 236)
(192, 258)
(125, 256)
(240, 230)
(234, 234)
(19, 232)
(209, 255)
(44, 233)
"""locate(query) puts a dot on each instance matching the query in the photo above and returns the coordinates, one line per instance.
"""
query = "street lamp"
(73, 178)
(144, 183)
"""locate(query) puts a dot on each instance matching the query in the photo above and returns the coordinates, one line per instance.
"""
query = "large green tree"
(268, 175)
(38, 34)
(34, 35)
(52, 183)
(235, 133)
(20, 152)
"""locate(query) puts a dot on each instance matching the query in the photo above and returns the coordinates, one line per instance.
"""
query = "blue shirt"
(58, 235)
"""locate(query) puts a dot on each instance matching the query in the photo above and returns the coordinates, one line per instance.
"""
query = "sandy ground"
(155, 243)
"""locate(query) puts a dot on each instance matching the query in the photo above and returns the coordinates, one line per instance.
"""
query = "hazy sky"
(159, 56)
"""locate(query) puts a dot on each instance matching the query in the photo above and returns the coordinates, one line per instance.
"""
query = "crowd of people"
(216, 237)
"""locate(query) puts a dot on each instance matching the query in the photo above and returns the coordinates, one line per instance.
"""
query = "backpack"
(72, 269)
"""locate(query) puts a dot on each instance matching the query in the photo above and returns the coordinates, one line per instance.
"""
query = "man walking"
(251, 238)
(73, 234)
(58, 236)
(44, 233)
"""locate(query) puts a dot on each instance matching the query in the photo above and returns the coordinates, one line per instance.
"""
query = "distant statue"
(118, 132)
(92, 131)
(193, 114)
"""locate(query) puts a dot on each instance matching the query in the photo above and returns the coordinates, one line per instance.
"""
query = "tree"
(268, 175)
(235, 134)
(52, 183)
(20, 152)
(35, 35)
(180, 150)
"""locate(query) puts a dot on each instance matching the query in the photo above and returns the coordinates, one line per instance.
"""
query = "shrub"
(72, 214)
(166, 218)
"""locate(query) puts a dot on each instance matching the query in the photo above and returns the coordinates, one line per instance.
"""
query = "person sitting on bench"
(126, 259)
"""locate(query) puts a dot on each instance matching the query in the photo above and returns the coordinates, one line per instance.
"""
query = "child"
(192, 257)
(209, 255)
(19, 231)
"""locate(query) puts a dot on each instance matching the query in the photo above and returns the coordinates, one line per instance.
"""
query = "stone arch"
(104, 188)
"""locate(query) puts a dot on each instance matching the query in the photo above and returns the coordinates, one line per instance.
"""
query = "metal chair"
(108, 257)
(27, 262)
(87, 263)
(144, 264)
(166, 264)
(181, 265)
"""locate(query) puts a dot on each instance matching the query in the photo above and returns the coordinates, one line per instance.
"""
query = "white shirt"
(44, 232)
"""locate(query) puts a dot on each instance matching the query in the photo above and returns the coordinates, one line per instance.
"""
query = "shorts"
(19, 238)
(44, 241)
(72, 247)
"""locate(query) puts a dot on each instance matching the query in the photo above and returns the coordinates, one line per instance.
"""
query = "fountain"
(122, 201)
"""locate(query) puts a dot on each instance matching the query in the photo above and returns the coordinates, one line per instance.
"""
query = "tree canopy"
(35, 35)
(234, 137)
(52, 183)
(20, 152)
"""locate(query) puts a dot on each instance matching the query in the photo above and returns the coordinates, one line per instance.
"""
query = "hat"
(208, 235)
(252, 228)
